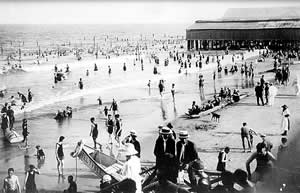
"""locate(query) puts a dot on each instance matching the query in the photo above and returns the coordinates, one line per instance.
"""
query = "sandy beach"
(140, 109)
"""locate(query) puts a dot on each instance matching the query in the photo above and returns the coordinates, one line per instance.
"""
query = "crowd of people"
(174, 156)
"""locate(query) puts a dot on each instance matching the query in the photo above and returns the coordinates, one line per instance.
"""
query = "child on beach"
(39, 153)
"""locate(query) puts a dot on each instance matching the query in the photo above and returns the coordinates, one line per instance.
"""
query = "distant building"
(246, 28)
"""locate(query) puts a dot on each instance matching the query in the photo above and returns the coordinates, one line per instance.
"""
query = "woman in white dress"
(272, 93)
(132, 166)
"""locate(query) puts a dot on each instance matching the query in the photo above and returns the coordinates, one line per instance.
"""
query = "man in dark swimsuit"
(110, 127)
(114, 106)
(94, 131)
(118, 128)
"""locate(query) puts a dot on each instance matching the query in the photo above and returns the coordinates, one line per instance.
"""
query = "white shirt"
(273, 91)
(131, 170)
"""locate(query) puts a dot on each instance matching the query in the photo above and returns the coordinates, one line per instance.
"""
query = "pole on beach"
(76, 170)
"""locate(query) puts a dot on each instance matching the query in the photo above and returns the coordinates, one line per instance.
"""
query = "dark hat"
(170, 125)
(197, 165)
(284, 106)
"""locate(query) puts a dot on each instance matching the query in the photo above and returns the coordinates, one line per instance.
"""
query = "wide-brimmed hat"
(284, 106)
(197, 165)
(133, 132)
(165, 130)
(129, 149)
(183, 134)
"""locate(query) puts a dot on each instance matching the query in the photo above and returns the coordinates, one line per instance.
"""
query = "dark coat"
(190, 153)
(258, 91)
(159, 149)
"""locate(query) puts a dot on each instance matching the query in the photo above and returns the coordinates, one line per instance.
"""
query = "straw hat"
(133, 132)
(183, 134)
(165, 130)
(129, 149)
(106, 178)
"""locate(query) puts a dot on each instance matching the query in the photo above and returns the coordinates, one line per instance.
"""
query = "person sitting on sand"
(236, 96)
(209, 105)
(216, 101)
(72, 187)
(222, 94)
(195, 109)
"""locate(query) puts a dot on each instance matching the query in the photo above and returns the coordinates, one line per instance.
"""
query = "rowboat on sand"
(12, 136)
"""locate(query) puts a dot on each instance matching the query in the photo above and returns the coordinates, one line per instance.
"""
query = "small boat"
(100, 163)
(12, 136)
(216, 108)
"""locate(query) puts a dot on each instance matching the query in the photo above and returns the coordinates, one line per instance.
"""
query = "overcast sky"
(69, 12)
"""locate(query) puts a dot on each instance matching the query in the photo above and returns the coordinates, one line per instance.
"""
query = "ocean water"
(140, 108)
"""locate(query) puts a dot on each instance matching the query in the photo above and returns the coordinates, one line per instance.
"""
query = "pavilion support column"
(197, 45)
(193, 44)
(200, 44)
(189, 45)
